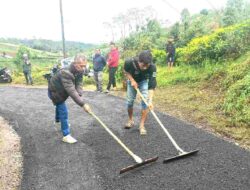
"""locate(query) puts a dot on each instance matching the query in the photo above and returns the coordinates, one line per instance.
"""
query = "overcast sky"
(83, 18)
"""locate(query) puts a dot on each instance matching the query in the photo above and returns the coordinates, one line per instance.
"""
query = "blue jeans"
(61, 115)
(131, 93)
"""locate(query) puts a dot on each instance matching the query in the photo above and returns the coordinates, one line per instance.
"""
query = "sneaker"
(143, 131)
(107, 91)
(129, 124)
(69, 139)
(114, 89)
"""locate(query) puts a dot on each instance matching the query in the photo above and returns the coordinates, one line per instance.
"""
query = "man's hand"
(150, 106)
(87, 108)
(134, 84)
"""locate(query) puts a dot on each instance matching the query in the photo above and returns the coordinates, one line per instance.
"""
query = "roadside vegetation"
(210, 83)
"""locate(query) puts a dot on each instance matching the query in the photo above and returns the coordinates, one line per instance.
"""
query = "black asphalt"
(95, 161)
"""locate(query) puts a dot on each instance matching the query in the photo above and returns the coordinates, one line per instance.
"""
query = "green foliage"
(159, 56)
(237, 102)
(49, 45)
(235, 72)
(235, 12)
(19, 56)
(223, 44)
(120, 71)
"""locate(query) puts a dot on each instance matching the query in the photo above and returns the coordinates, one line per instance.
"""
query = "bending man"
(64, 83)
(141, 74)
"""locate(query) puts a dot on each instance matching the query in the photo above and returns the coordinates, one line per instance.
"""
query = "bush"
(159, 56)
(237, 101)
(223, 44)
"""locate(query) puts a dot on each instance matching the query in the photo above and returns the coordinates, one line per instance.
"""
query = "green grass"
(216, 96)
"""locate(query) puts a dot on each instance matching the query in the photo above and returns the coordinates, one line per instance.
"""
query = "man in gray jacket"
(64, 83)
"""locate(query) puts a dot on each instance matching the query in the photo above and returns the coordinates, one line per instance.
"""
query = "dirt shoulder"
(199, 105)
(10, 157)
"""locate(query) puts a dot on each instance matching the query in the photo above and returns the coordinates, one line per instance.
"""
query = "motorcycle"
(5, 75)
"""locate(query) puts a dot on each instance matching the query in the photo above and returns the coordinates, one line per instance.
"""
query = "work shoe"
(129, 124)
(143, 131)
(69, 139)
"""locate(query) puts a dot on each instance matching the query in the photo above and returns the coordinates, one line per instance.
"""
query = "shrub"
(223, 44)
(237, 101)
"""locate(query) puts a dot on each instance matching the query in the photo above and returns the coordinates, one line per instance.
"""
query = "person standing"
(113, 61)
(64, 83)
(27, 69)
(170, 51)
(141, 74)
(99, 63)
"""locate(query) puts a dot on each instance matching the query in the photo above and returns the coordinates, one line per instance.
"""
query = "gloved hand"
(87, 108)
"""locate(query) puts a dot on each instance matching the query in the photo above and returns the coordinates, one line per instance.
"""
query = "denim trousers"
(61, 115)
(131, 93)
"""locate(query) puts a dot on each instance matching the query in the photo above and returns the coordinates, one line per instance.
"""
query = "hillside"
(49, 45)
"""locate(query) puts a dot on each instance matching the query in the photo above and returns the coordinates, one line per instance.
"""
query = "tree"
(19, 56)
(204, 12)
(175, 31)
(233, 12)
(185, 18)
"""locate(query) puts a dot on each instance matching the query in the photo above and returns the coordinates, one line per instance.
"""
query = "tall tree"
(233, 12)
(185, 18)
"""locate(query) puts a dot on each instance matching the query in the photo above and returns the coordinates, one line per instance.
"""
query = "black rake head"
(184, 155)
(147, 161)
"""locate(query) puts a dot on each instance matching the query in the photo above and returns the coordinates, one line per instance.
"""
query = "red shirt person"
(113, 61)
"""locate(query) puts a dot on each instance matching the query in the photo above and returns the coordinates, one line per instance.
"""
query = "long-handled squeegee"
(138, 160)
(181, 152)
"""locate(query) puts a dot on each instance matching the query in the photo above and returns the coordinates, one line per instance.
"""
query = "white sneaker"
(69, 139)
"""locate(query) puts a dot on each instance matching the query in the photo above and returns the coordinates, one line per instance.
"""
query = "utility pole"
(62, 25)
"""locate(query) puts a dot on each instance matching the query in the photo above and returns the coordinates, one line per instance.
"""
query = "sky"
(83, 19)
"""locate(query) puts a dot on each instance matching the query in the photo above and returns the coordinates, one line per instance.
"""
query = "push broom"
(138, 160)
(181, 153)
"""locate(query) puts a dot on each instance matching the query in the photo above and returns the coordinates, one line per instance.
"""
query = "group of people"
(99, 62)
(140, 72)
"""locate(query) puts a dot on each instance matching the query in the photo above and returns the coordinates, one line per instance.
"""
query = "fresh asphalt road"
(94, 162)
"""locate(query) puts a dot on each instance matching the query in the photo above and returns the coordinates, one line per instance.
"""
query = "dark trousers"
(28, 78)
(112, 81)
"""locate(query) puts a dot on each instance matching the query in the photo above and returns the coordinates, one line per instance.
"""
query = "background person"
(27, 69)
(170, 51)
(99, 63)
(113, 61)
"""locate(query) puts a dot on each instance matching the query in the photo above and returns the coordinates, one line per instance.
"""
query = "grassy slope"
(197, 95)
